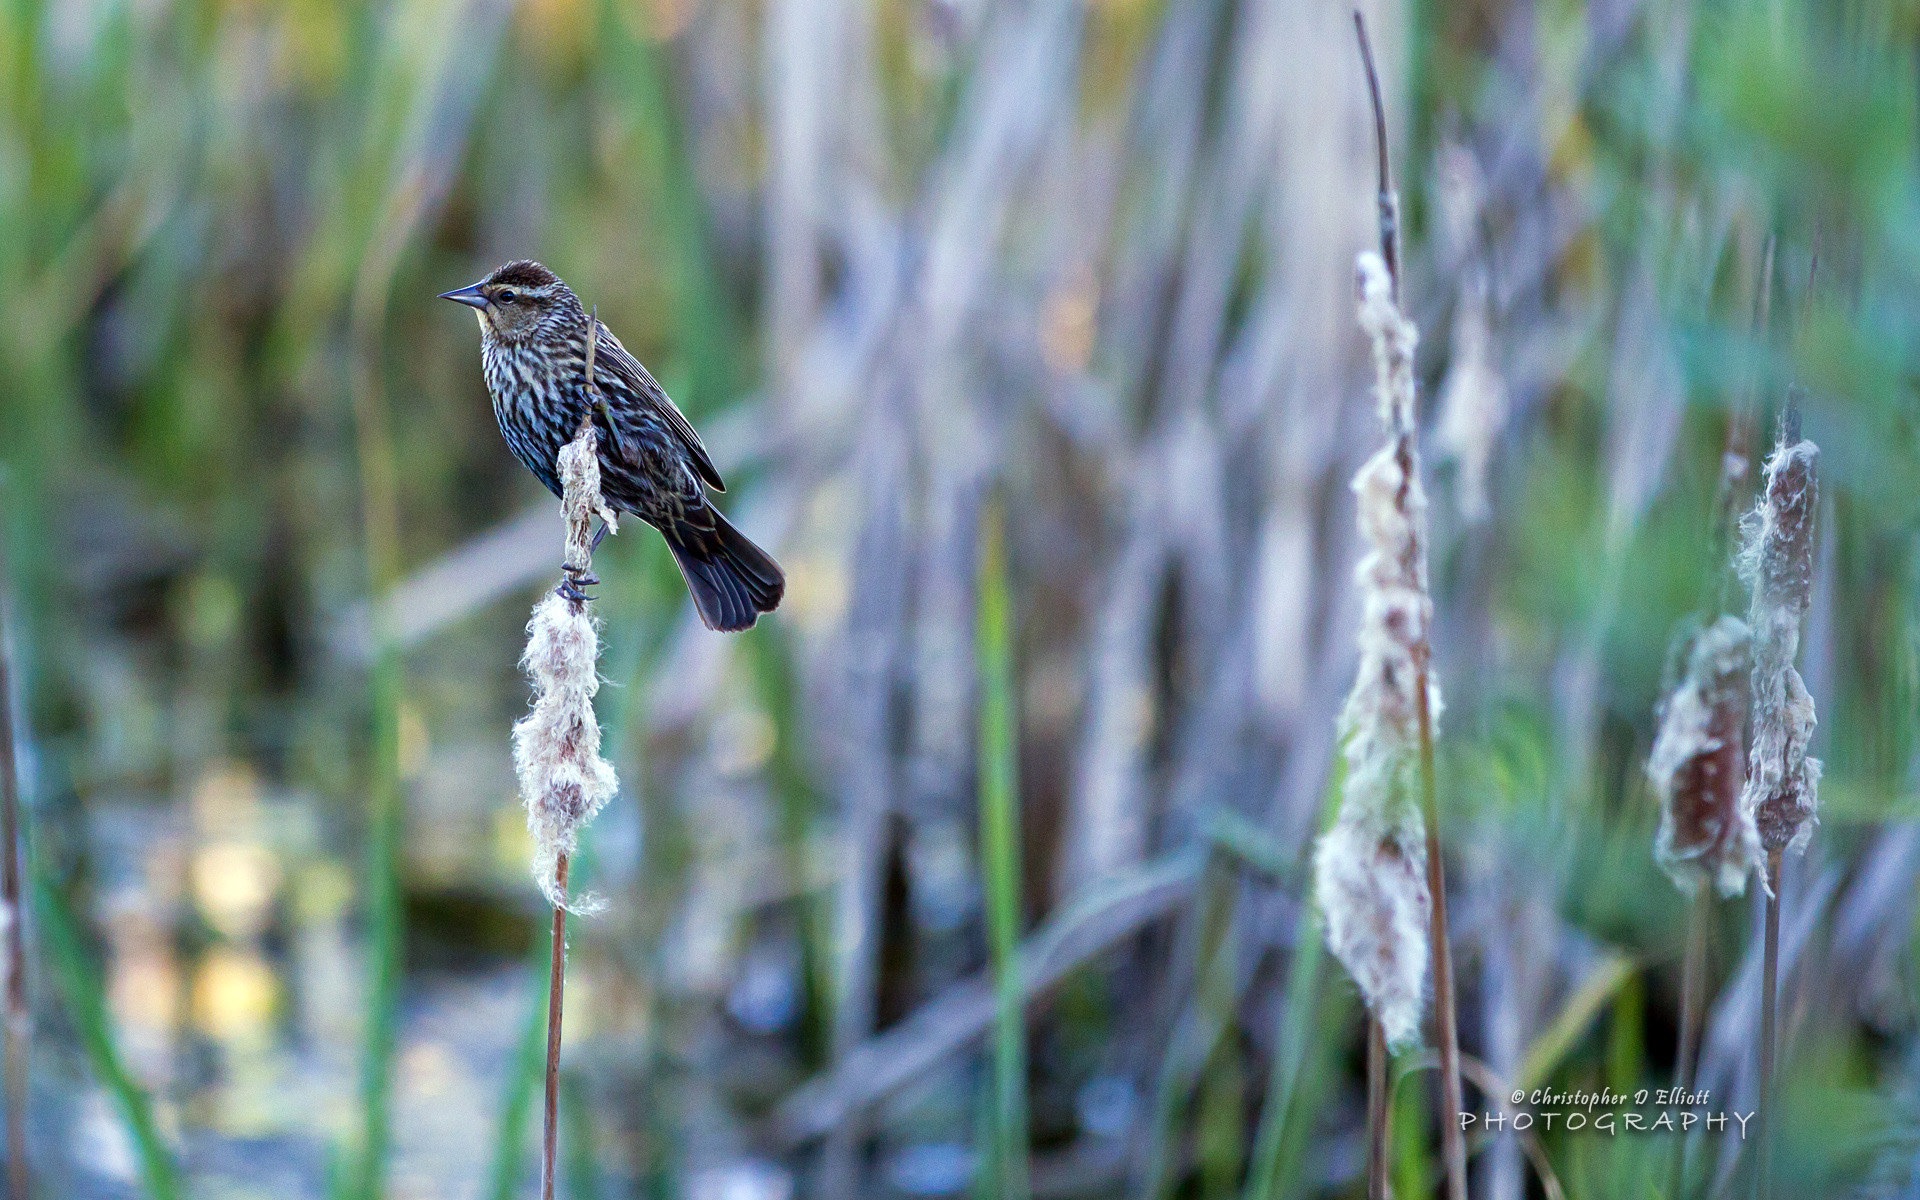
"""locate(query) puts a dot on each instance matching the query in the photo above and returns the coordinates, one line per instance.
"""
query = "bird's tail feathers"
(732, 580)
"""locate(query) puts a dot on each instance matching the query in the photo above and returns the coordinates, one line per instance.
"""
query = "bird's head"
(518, 301)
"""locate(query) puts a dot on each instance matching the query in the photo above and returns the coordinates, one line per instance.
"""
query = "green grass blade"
(1413, 1163)
(81, 986)
(1000, 857)
(1266, 1174)
(1270, 1169)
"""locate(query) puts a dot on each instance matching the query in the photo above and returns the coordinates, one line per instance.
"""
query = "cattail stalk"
(1782, 792)
(1379, 878)
(1371, 869)
(1379, 1112)
(556, 1007)
(1698, 764)
(556, 746)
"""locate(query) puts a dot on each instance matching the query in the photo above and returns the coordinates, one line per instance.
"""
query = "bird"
(533, 353)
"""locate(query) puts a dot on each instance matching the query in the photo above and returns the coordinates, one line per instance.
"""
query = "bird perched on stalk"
(533, 350)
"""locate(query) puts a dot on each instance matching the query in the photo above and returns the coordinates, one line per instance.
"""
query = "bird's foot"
(572, 587)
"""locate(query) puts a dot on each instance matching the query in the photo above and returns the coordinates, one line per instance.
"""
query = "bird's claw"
(572, 587)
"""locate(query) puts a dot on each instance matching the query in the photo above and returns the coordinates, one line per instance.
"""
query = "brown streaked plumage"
(533, 351)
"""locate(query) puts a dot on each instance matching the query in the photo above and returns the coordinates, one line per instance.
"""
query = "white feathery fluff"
(580, 499)
(1776, 559)
(1370, 869)
(556, 746)
(1393, 339)
(1696, 768)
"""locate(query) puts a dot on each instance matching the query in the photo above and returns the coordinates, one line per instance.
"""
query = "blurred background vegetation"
(1083, 263)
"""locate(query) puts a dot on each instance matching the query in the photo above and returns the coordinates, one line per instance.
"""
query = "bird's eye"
(506, 296)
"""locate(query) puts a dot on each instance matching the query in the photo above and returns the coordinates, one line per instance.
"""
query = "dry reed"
(556, 747)
(1379, 880)
(1782, 792)
(1698, 763)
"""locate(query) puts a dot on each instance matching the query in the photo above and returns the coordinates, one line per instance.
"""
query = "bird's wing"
(614, 359)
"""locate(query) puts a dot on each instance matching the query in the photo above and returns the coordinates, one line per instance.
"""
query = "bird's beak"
(471, 296)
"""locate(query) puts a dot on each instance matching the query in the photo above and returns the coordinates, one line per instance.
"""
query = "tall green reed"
(1271, 1170)
(82, 990)
(1000, 858)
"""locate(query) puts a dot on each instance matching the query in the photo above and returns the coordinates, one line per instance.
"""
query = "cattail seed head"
(579, 470)
(1370, 869)
(1370, 881)
(556, 747)
(1698, 766)
(1393, 338)
(1776, 560)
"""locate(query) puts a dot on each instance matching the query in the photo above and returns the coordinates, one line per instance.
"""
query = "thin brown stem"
(18, 1028)
(1378, 1111)
(1388, 199)
(556, 994)
(1453, 1140)
(1769, 1029)
(1692, 982)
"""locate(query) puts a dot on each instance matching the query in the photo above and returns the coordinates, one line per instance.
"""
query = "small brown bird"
(533, 350)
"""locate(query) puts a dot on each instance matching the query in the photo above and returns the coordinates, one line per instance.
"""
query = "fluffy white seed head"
(1393, 338)
(1776, 559)
(556, 746)
(1370, 868)
(1371, 884)
(579, 470)
(1698, 765)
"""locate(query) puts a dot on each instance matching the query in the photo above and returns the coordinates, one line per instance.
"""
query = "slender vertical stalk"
(1294, 1028)
(1000, 856)
(556, 1005)
(1769, 1029)
(503, 1178)
(72, 967)
(1734, 485)
(17, 1031)
(1387, 199)
(1378, 1111)
(577, 574)
(1452, 1139)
